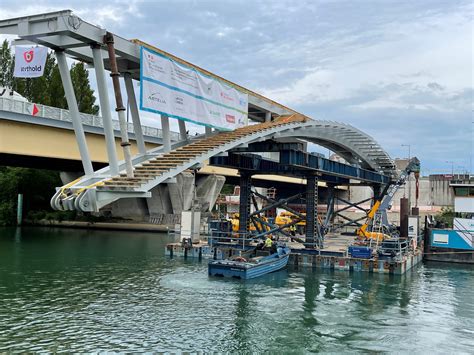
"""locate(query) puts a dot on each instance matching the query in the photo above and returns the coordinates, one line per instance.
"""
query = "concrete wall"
(434, 193)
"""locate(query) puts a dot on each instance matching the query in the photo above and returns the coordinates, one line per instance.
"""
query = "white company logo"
(30, 62)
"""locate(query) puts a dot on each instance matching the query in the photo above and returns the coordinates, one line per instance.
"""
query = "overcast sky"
(399, 70)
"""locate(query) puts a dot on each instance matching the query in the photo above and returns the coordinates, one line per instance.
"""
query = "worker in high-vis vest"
(268, 242)
(292, 230)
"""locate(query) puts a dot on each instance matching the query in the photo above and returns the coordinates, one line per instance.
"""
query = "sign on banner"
(179, 91)
(30, 62)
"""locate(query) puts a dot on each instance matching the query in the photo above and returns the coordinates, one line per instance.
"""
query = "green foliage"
(446, 216)
(227, 189)
(7, 213)
(84, 93)
(56, 90)
(48, 89)
(37, 187)
(5, 64)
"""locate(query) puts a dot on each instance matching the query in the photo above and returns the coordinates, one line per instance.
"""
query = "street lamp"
(409, 180)
(452, 167)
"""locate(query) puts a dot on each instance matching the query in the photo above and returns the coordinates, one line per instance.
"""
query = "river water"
(89, 291)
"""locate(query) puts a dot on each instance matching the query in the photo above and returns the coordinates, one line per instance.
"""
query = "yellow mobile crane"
(376, 225)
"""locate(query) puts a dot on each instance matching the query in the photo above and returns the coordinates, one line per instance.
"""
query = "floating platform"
(334, 256)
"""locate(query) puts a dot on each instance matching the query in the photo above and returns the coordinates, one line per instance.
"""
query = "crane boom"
(383, 202)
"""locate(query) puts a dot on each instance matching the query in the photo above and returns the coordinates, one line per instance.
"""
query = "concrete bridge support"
(207, 191)
(182, 192)
(170, 199)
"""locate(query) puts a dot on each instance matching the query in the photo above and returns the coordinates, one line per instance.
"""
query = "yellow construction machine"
(376, 225)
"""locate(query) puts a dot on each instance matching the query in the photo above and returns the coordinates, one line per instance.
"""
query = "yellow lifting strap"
(62, 194)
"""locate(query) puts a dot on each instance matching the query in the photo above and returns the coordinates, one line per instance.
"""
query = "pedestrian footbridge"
(91, 194)
(163, 174)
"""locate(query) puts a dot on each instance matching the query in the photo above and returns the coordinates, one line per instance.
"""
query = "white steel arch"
(85, 195)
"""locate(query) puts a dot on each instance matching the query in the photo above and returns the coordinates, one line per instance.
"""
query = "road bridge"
(167, 173)
(34, 135)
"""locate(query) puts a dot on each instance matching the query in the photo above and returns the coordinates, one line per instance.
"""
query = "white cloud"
(438, 48)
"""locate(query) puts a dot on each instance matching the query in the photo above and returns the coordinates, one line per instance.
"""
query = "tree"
(38, 185)
(56, 90)
(5, 65)
(84, 94)
(48, 89)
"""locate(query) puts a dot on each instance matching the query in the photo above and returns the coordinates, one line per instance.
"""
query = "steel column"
(114, 73)
(313, 235)
(165, 127)
(244, 206)
(105, 109)
(183, 135)
(268, 116)
(330, 206)
(208, 131)
(137, 126)
(74, 110)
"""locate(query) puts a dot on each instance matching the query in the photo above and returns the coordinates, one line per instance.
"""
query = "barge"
(456, 244)
(250, 267)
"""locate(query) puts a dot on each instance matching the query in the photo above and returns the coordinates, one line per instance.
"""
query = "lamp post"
(409, 180)
(452, 168)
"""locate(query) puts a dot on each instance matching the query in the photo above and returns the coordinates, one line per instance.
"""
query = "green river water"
(92, 291)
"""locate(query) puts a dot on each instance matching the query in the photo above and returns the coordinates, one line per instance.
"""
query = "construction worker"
(268, 242)
(292, 230)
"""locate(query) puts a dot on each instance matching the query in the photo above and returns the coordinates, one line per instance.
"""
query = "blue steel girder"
(300, 164)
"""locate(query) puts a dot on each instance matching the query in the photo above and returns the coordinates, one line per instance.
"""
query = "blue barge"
(241, 268)
(455, 245)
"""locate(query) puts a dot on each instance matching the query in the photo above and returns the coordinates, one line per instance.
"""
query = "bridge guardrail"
(59, 114)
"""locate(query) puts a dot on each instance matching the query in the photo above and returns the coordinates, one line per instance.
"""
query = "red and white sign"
(30, 62)
(32, 109)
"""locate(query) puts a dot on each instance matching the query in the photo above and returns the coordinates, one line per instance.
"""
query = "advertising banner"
(178, 91)
(29, 62)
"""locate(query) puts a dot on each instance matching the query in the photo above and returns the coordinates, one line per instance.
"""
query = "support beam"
(165, 127)
(244, 207)
(183, 135)
(114, 73)
(313, 235)
(105, 109)
(268, 116)
(208, 131)
(137, 126)
(353, 204)
(281, 203)
(330, 206)
(74, 110)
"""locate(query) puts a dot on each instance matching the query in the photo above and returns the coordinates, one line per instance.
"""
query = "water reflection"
(76, 290)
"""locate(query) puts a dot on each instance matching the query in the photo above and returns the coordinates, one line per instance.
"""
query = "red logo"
(230, 118)
(29, 55)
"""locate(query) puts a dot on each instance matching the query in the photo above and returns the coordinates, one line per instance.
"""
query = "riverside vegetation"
(38, 185)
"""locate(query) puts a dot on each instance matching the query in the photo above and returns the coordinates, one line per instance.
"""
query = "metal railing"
(59, 114)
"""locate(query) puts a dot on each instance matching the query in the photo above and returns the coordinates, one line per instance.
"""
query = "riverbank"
(122, 226)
